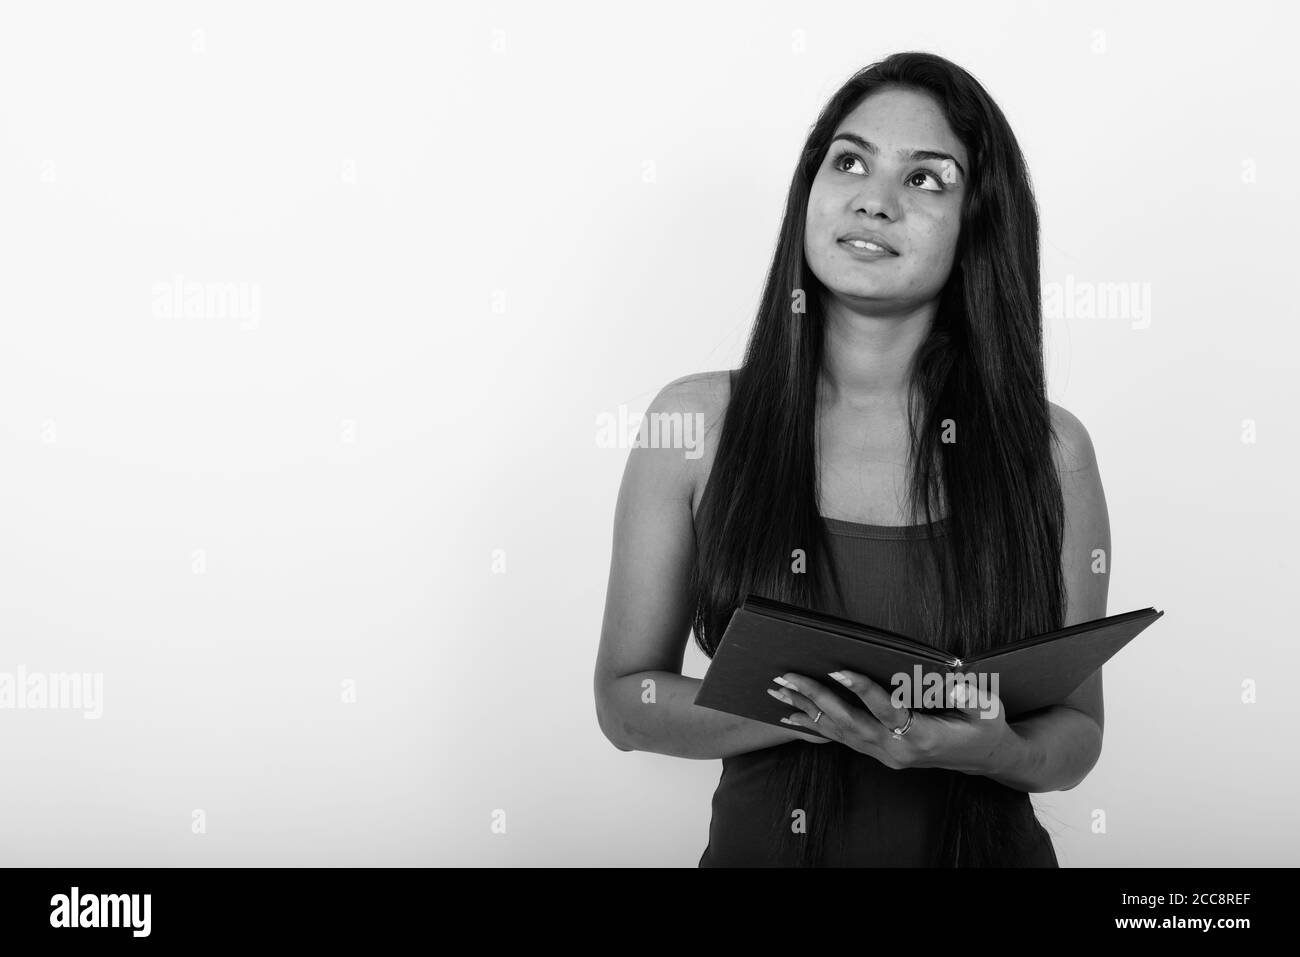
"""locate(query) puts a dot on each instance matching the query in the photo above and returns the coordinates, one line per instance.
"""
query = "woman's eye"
(839, 161)
(920, 177)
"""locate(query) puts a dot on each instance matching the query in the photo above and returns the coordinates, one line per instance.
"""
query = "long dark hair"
(981, 368)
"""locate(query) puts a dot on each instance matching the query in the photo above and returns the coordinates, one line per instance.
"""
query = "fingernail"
(840, 677)
(783, 683)
(786, 721)
(780, 696)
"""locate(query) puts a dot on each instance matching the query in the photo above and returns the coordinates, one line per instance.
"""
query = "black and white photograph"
(505, 436)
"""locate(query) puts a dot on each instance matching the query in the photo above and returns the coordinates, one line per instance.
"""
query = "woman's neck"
(866, 359)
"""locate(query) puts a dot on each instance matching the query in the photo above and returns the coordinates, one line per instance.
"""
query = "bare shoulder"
(1086, 516)
(1086, 542)
(1072, 445)
(703, 393)
(703, 396)
(706, 392)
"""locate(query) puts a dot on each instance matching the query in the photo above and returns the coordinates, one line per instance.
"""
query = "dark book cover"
(766, 638)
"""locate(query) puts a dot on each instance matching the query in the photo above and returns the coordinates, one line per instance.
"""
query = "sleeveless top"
(892, 817)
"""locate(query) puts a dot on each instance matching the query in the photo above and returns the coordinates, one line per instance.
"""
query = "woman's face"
(894, 175)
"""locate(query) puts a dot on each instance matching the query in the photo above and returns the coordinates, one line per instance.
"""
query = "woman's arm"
(643, 702)
(1054, 749)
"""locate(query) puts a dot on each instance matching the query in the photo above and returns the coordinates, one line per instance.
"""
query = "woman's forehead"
(899, 122)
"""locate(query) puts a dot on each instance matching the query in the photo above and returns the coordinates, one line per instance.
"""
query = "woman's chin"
(867, 291)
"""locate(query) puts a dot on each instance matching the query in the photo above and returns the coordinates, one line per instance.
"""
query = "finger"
(893, 716)
(971, 697)
(794, 700)
(874, 697)
(817, 697)
(985, 703)
(961, 691)
(804, 708)
(815, 726)
(816, 733)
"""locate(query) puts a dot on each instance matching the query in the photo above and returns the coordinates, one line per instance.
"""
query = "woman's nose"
(877, 200)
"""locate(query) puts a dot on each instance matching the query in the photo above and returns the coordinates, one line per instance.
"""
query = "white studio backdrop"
(309, 315)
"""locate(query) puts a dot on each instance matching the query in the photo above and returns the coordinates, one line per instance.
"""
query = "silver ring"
(819, 716)
(899, 732)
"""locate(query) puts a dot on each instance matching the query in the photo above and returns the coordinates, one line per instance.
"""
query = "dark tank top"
(893, 817)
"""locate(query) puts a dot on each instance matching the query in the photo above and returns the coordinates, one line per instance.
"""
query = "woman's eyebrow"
(871, 148)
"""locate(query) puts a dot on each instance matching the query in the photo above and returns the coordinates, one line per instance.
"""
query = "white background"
(461, 265)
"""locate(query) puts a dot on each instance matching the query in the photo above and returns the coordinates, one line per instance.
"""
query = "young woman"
(890, 425)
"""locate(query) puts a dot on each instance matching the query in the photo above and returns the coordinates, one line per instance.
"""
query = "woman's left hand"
(972, 737)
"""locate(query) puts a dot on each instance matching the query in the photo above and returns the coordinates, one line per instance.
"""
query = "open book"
(766, 638)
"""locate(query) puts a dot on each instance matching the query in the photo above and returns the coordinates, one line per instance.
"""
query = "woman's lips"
(866, 249)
